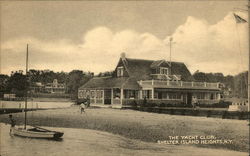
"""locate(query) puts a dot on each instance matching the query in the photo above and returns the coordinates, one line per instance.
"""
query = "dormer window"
(120, 71)
(163, 70)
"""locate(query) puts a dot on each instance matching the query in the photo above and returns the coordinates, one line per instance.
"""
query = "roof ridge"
(175, 62)
(154, 60)
(139, 59)
(103, 77)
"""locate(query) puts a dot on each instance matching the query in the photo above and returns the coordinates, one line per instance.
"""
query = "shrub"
(221, 104)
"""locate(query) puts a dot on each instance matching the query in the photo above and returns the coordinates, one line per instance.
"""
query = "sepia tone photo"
(127, 78)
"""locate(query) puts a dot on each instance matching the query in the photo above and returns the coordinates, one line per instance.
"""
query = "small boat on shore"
(33, 131)
(36, 132)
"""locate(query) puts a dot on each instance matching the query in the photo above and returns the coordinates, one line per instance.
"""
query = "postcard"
(124, 78)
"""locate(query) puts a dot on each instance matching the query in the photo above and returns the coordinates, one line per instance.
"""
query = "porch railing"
(178, 84)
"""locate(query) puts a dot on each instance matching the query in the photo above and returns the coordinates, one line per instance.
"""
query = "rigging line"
(241, 66)
(241, 60)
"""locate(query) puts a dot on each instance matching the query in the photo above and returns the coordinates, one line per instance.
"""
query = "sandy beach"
(145, 127)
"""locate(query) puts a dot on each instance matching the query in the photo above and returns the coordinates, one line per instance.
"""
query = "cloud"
(204, 47)
(222, 47)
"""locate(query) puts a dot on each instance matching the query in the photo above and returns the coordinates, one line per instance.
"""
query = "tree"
(237, 84)
(105, 74)
(76, 78)
(3, 84)
(240, 85)
(17, 84)
(200, 76)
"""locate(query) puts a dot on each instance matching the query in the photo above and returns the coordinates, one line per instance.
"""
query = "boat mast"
(26, 93)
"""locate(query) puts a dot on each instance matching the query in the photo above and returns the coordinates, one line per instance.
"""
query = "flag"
(239, 19)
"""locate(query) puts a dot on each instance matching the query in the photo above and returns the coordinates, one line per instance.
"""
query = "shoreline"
(149, 127)
(103, 142)
(43, 99)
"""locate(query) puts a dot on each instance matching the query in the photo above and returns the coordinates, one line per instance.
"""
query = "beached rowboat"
(36, 132)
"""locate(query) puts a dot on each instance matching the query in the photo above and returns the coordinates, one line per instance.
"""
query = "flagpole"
(170, 40)
(241, 20)
(248, 95)
(26, 92)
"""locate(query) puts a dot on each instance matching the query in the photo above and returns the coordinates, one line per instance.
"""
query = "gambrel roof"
(135, 70)
(142, 69)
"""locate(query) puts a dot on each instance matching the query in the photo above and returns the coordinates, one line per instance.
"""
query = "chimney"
(123, 56)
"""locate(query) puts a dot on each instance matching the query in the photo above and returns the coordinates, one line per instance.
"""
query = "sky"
(91, 35)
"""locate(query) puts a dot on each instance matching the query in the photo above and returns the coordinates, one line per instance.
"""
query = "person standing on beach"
(82, 107)
(12, 122)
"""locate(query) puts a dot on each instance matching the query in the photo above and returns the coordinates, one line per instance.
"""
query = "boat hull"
(30, 133)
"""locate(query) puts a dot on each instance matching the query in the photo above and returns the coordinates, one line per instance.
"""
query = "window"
(212, 96)
(130, 94)
(92, 94)
(120, 71)
(81, 94)
(174, 96)
(99, 94)
(200, 95)
(116, 93)
(162, 70)
(164, 95)
(84, 94)
(87, 94)
(147, 94)
(156, 95)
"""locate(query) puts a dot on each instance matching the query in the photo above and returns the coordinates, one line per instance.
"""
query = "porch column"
(121, 97)
(186, 98)
(218, 96)
(152, 93)
(140, 94)
(95, 95)
(102, 96)
(112, 96)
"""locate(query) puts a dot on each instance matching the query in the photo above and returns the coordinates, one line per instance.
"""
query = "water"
(90, 143)
(34, 104)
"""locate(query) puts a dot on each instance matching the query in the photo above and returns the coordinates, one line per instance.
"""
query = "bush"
(221, 104)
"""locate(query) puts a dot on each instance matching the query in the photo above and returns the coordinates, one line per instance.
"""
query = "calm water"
(34, 105)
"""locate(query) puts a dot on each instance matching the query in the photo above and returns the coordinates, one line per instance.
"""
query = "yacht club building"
(158, 81)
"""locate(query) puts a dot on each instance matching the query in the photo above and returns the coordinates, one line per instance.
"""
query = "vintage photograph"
(124, 78)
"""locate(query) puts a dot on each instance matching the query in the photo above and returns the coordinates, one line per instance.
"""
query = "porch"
(111, 97)
(116, 97)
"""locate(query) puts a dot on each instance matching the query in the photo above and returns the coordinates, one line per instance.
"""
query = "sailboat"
(33, 131)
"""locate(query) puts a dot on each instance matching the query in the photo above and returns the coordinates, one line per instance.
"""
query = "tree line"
(18, 82)
(236, 85)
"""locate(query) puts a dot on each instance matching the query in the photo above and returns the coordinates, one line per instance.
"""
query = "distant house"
(158, 81)
(37, 87)
(54, 87)
(9, 96)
